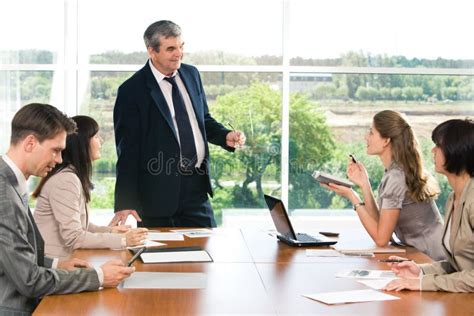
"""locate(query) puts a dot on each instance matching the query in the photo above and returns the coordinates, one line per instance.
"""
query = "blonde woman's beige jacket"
(456, 274)
(63, 220)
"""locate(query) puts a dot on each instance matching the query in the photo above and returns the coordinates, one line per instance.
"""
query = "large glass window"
(346, 117)
(302, 78)
(246, 32)
(390, 34)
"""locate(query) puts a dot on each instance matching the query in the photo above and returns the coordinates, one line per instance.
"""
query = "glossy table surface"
(252, 273)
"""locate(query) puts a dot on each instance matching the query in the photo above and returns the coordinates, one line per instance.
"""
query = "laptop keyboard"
(306, 238)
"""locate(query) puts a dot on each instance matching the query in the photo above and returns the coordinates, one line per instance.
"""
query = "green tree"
(256, 111)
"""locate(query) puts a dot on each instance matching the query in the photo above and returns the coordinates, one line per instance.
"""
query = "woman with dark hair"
(405, 202)
(61, 210)
(454, 157)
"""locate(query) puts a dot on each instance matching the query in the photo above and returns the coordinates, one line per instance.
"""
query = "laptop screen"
(280, 217)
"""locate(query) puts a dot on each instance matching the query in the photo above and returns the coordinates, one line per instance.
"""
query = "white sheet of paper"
(366, 274)
(377, 284)
(191, 230)
(165, 280)
(148, 244)
(323, 253)
(198, 234)
(164, 236)
(351, 296)
(176, 256)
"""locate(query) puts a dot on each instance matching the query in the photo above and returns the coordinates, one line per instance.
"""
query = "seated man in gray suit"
(38, 137)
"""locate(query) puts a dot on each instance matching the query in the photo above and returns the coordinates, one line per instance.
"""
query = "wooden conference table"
(252, 273)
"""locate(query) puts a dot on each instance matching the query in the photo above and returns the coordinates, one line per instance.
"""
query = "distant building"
(305, 82)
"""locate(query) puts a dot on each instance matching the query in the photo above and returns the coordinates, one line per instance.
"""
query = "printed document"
(351, 296)
(194, 233)
(366, 274)
(164, 236)
(148, 244)
(377, 284)
(176, 256)
(165, 280)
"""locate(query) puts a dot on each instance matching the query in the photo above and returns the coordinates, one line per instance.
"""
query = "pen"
(353, 158)
(236, 144)
(394, 260)
(135, 256)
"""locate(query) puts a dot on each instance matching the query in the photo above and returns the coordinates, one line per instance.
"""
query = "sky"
(317, 28)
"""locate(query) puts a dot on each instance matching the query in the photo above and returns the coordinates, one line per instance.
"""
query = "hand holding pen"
(403, 267)
(234, 138)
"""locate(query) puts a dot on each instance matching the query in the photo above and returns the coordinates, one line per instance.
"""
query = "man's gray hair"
(155, 31)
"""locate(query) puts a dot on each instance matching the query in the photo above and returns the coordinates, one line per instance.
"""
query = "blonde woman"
(405, 204)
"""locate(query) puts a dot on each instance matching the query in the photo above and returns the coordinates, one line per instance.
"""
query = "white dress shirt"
(166, 88)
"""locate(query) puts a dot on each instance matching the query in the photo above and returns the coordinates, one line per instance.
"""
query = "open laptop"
(285, 230)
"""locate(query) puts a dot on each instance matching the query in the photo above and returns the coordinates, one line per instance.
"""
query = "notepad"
(326, 178)
(178, 254)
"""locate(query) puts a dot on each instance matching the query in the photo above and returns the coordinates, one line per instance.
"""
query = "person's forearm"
(371, 226)
(370, 204)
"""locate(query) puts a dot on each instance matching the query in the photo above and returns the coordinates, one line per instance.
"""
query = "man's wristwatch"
(355, 206)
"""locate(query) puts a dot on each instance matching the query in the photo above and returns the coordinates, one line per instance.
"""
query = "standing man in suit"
(162, 129)
(37, 139)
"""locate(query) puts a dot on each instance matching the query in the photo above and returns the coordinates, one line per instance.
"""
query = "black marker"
(353, 158)
(135, 256)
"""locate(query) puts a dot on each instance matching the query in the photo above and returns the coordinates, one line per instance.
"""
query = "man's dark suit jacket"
(25, 274)
(148, 178)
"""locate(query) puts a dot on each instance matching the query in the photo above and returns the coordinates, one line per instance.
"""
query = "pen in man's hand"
(353, 158)
(135, 256)
(394, 260)
(236, 144)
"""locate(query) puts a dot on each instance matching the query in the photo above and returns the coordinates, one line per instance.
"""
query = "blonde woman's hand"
(341, 190)
(136, 236)
(357, 173)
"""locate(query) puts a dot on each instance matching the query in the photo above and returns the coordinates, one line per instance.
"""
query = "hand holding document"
(327, 178)
(351, 296)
